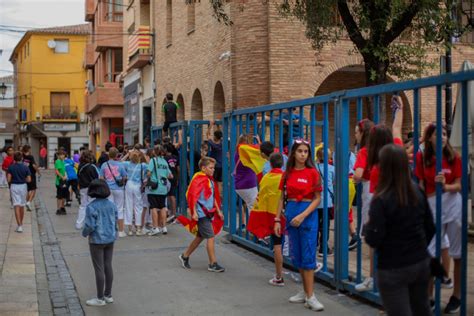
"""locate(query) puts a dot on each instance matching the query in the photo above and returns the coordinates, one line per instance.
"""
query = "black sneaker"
(353, 242)
(453, 306)
(58, 211)
(215, 267)
(432, 305)
(184, 262)
(447, 283)
(63, 211)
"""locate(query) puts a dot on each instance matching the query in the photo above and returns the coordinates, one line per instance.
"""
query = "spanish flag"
(201, 183)
(250, 157)
(261, 220)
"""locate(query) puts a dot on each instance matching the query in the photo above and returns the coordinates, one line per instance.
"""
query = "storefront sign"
(59, 127)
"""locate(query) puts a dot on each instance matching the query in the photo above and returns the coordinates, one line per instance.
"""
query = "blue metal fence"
(254, 120)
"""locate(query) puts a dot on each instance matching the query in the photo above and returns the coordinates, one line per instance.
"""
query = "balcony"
(105, 37)
(90, 6)
(90, 56)
(109, 93)
(139, 48)
(60, 113)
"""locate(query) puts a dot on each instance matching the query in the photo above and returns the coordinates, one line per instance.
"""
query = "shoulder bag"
(152, 184)
(120, 182)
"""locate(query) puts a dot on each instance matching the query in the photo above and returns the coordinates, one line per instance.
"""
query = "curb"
(62, 291)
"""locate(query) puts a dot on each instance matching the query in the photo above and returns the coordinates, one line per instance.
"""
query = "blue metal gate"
(269, 123)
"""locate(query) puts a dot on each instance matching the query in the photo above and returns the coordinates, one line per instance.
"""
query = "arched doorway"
(196, 106)
(219, 101)
(180, 101)
(353, 77)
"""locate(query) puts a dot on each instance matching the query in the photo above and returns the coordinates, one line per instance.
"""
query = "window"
(169, 22)
(114, 10)
(62, 46)
(191, 17)
(113, 64)
(59, 107)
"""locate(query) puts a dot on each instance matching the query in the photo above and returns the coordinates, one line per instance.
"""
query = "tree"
(392, 36)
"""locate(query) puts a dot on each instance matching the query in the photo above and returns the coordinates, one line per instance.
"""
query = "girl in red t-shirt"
(301, 185)
(451, 203)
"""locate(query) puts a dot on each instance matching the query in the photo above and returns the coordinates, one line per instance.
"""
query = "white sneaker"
(154, 231)
(108, 300)
(140, 232)
(313, 304)
(28, 206)
(122, 234)
(145, 230)
(319, 266)
(130, 232)
(19, 229)
(164, 230)
(96, 302)
(367, 285)
(298, 298)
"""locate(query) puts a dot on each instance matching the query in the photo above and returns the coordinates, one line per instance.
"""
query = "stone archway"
(353, 77)
(181, 113)
(219, 100)
(196, 106)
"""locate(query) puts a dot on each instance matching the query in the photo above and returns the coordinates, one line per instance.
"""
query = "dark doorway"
(146, 122)
(65, 142)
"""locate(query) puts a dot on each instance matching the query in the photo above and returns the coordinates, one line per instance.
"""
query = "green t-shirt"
(61, 168)
(159, 173)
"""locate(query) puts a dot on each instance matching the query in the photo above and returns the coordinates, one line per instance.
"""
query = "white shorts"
(18, 193)
(366, 198)
(249, 196)
(451, 219)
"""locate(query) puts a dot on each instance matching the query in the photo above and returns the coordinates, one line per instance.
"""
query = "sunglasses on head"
(301, 141)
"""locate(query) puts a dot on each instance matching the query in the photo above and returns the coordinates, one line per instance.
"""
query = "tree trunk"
(375, 74)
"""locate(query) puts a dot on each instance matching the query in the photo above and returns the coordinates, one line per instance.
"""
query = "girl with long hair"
(301, 186)
(451, 201)
(379, 136)
(399, 229)
(136, 175)
(86, 173)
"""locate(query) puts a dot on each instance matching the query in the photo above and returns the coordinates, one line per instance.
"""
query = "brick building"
(104, 63)
(262, 58)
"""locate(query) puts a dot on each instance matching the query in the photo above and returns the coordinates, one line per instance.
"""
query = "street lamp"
(3, 90)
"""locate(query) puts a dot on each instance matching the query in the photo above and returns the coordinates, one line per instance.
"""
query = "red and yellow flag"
(250, 157)
(261, 220)
(201, 183)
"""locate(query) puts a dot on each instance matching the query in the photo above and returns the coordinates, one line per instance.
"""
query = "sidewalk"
(148, 278)
(18, 292)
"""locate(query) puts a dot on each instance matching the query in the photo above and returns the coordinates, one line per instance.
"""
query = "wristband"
(277, 220)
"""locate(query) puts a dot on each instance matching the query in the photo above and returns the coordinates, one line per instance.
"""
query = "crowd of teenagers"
(132, 191)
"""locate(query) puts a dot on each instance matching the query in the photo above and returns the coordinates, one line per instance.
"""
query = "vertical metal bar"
(183, 164)
(247, 123)
(376, 109)
(341, 271)
(272, 129)
(301, 123)
(241, 130)
(465, 196)
(263, 125)
(439, 190)
(225, 169)
(313, 126)
(233, 197)
(290, 128)
(359, 207)
(416, 124)
(255, 126)
(325, 192)
(192, 148)
(280, 131)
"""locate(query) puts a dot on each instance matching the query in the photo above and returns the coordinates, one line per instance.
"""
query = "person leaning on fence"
(399, 229)
(113, 172)
(18, 177)
(451, 202)
(207, 206)
(301, 186)
(100, 227)
(86, 173)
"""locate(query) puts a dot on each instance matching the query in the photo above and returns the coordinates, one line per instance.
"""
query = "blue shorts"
(303, 239)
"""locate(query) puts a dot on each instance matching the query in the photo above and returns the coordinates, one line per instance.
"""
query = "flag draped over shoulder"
(250, 157)
(201, 183)
(261, 220)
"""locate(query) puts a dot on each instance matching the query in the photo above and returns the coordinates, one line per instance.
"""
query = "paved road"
(150, 281)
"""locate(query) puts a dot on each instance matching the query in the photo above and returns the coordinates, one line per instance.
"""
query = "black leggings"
(321, 227)
(102, 261)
